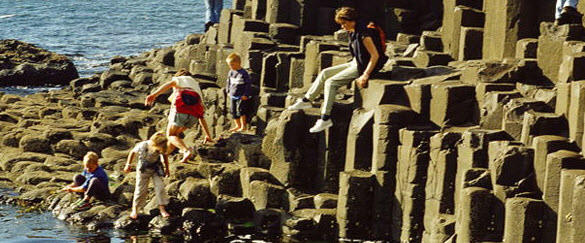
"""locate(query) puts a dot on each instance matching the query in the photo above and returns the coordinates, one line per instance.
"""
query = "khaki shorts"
(181, 120)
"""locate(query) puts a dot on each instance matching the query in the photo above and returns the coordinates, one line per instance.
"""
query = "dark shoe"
(569, 15)
(207, 25)
(83, 205)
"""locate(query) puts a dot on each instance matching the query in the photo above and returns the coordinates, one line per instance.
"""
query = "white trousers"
(329, 80)
(141, 190)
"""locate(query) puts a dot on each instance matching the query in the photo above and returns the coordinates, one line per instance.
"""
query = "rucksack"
(380, 32)
(189, 102)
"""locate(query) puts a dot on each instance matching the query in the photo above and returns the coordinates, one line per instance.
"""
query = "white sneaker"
(321, 125)
(300, 105)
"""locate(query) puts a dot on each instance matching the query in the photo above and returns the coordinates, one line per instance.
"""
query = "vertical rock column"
(473, 153)
(510, 164)
(576, 112)
(523, 220)
(295, 158)
(359, 141)
(275, 71)
(440, 186)
(475, 215)
(492, 110)
(225, 25)
(453, 103)
(456, 16)
(543, 146)
(550, 46)
(565, 210)
(470, 43)
(411, 175)
(354, 205)
(555, 162)
(388, 119)
(508, 21)
(578, 211)
(542, 123)
(514, 112)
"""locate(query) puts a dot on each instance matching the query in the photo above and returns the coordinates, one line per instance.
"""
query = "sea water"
(91, 32)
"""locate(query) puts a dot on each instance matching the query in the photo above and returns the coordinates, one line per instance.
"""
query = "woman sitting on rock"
(186, 108)
(366, 47)
(150, 153)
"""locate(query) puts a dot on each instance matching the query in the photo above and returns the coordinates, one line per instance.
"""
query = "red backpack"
(189, 102)
(372, 25)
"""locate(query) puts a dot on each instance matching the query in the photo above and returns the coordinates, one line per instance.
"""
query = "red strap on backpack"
(189, 102)
(371, 25)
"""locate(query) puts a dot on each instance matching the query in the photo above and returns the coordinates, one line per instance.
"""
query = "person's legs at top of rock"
(332, 84)
(209, 4)
(317, 87)
(566, 12)
(328, 81)
(212, 12)
(217, 11)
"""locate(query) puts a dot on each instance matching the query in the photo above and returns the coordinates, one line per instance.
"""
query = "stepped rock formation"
(443, 146)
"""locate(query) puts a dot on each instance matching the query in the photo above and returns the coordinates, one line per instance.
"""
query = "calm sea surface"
(90, 33)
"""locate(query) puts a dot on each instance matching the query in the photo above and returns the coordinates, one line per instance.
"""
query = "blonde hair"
(345, 13)
(159, 141)
(234, 57)
(182, 72)
(91, 158)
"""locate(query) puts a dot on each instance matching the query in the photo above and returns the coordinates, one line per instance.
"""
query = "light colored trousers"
(141, 190)
(564, 3)
(213, 10)
(329, 80)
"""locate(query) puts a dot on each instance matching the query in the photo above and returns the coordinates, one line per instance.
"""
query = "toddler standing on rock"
(238, 88)
(149, 152)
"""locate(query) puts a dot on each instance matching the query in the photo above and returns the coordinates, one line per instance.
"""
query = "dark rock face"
(25, 64)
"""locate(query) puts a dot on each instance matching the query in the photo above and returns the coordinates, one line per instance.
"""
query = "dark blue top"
(358, 49)
(99, 173)
(238, 84)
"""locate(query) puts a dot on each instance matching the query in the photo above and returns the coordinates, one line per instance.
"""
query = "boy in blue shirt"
(238, 88)
(92, 182)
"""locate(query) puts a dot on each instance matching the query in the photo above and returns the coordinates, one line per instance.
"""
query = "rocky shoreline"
(25, 64)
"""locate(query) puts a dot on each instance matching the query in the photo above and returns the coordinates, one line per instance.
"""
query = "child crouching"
(149, 167)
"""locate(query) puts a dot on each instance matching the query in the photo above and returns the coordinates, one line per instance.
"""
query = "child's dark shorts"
(240, 107)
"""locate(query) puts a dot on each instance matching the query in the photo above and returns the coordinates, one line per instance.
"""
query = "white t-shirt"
(184, 82)
(188, 82)
(144, 153)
